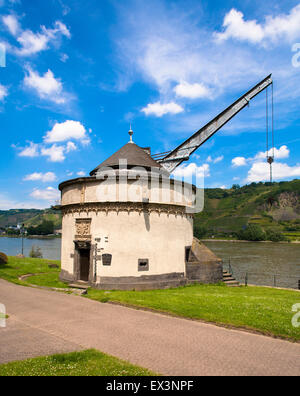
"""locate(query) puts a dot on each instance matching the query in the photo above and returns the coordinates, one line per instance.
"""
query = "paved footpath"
(43, 322)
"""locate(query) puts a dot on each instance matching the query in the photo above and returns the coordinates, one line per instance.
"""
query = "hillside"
(275, 206)
(30, 217)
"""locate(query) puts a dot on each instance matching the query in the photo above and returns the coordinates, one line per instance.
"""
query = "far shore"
(242, 241)
(32, 236)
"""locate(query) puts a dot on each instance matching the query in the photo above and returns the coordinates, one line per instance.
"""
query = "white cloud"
(192, 91)
(71, 147)
(66, 131)
(54, 153)
(260, 171)
(33, 43)
(44, 177)
(282, 152)
(46, 86)
(239, 161)
(218, 159)
(158, 109)
(285, 26)
(64, 58)
(3, 92)
(7, 203)
(48, 194)
(81, 174)
(12, 24)
(190, 170)
(30, 151)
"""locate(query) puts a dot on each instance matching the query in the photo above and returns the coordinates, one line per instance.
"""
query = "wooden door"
(84, 264)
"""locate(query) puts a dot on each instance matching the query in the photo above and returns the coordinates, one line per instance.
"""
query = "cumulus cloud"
(239, 161)
(285, 26)
(54, 153)
(67, 130)
(260, 171)
(12, 24)
(3, 92)
(81, 174)
(192, 170)
(159, 109)
(44, 177)
(192, 91)
(31, 43)
(282, 152)
(48, 194)
(71, 147)
(30, 151)
(46, 86)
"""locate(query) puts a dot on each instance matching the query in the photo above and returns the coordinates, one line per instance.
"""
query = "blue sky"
(77, 73)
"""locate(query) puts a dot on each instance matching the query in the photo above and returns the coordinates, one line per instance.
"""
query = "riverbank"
(242, 241)
(264, 310)
(32, 236)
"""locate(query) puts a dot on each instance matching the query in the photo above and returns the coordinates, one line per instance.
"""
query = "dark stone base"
(145, 282)
(65, 276)
(204, 272)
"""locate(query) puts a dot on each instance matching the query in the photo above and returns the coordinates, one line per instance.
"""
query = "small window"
(143, 265)
(106, 259)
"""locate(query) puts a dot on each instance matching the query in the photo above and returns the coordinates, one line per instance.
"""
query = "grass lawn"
(266, 310)
(86, 363)
(17, 267)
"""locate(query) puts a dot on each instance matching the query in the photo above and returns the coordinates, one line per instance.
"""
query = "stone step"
(79, 286)
(232, 283)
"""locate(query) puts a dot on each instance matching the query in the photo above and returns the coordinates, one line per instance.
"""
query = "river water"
(265, 263)
(270, 264)
(13, 246)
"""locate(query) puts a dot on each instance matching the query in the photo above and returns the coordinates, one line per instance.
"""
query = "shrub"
(252, 233)
(275, 236)
(199, 231)
(3, 258)
(35, 252)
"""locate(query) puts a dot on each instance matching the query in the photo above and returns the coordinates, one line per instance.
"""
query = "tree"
(252, 233)
(35, 252)
(199, 231)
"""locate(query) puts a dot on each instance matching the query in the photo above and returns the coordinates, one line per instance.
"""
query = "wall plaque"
(106, 259)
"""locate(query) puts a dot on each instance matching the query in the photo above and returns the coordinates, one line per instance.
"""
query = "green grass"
(47, 280)
(17, 267)
(257, 308)
(86, 363)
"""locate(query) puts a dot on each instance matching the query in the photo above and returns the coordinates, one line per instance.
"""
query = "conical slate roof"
(135, 156)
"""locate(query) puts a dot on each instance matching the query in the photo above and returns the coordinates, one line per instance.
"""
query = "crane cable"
(270, 156)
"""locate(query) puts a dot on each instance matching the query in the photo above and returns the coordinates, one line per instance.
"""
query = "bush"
(3, 258)
(275, 236)
(35, 252)
(252, 233)
(199, 231)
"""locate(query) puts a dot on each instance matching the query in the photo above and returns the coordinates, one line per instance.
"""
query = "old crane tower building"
(129, 225)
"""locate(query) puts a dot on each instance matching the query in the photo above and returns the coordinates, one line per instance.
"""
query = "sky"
(74, 75)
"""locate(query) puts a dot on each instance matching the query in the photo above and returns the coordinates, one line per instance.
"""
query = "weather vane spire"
(130, 134)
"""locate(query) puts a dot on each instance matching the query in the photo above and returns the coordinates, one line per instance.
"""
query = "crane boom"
(183, 152)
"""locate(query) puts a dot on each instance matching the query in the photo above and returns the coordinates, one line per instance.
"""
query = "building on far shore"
(128, 226)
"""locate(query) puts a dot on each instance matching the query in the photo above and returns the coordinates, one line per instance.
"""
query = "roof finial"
(130, 134)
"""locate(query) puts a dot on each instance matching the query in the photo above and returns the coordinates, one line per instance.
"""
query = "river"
(265, 263)
(270, 264)
(13, 246)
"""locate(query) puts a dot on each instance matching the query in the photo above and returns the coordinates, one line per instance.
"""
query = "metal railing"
(261, 278)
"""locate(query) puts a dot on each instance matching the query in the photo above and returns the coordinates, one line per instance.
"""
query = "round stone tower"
(128, 225)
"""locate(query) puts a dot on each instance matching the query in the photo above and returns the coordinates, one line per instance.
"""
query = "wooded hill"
(272, 206)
